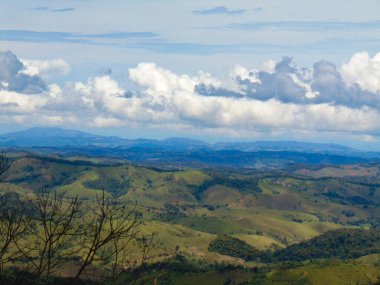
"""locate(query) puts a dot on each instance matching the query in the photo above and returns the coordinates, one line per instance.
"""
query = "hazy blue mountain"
(57, 137)
(284, 146)
(51, 137)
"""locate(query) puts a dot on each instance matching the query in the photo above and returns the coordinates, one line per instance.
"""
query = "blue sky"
(187, 40)
(71, 42)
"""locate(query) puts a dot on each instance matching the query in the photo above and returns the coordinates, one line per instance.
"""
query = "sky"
(237, 70)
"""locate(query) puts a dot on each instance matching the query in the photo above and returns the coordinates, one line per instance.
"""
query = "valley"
(268, 210)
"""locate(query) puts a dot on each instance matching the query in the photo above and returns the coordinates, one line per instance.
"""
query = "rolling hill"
(293, 213)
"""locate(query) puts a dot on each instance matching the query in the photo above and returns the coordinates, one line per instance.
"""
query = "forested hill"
(342, 244)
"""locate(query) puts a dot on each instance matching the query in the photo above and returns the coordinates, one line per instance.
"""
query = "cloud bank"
(45, 68)
(355, 86)
(280, 98)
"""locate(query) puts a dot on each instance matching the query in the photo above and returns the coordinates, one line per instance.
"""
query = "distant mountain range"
(58, 137)
(182, 151)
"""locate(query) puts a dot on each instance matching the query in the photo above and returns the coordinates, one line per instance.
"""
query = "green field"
(187, 209)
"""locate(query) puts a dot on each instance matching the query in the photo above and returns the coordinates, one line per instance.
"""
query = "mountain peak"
(48, 132)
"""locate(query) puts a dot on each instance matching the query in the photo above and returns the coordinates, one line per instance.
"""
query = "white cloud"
(269, 66)
(245, 74)
(181, 103)
(106, 122)
(169, 101)
(363, 70)
(13, 79)
(13, 102)
(45, 68)
(309, 93)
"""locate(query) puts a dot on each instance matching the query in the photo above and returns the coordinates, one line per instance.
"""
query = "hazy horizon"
(208, 140)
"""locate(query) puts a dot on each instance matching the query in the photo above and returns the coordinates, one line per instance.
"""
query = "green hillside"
(233, 217)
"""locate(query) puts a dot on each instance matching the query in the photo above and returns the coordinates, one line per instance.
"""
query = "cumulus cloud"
(186, 106)
(278, 99)
(13, 102)
(284, 82)
(12, 77)
(323, 83)
(45, 68)
(364, 71)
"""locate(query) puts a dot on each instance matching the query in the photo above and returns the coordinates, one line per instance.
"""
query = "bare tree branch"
(109, 229)
(53, 232)
(13, 226)
(5, 164)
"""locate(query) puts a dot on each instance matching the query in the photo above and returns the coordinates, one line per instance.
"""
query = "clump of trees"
(40, 233)
(227, 245)
(340, 243)
(335, 244)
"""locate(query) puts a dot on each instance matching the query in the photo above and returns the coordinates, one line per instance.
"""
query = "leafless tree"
(5, 164)
(53, 233)
(137, 270)
(109, 228)
(147, 243)
(13, 220)
(50, 229)
(13, 226)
